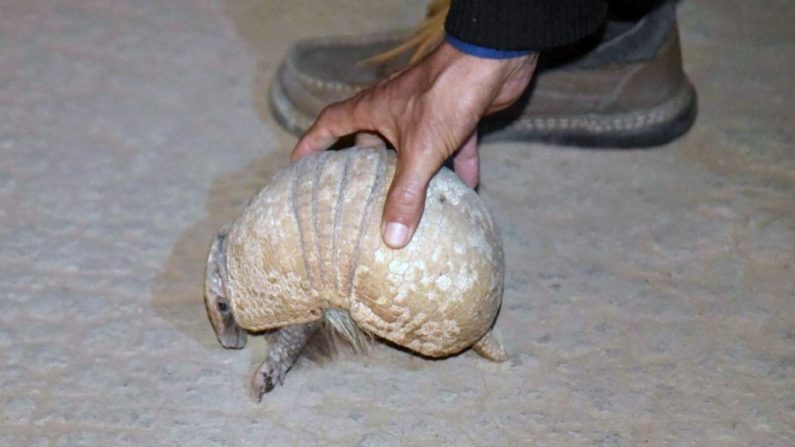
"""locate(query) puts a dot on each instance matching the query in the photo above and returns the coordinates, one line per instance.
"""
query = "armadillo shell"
(311, 240)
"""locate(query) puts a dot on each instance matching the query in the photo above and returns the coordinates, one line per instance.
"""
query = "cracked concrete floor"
(650, 295)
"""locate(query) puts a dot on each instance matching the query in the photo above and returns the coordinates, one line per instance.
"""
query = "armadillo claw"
(265, 379)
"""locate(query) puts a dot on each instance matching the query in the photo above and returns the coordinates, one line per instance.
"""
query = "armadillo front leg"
(290, 340)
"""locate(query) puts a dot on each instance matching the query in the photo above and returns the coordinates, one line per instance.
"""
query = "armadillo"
(307, 250)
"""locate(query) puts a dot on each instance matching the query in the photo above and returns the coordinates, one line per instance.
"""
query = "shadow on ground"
(179, 287)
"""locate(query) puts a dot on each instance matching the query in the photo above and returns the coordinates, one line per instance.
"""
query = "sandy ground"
(650, 295)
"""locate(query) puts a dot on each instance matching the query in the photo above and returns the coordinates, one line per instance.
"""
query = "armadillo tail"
(340, 325)
(490, 347)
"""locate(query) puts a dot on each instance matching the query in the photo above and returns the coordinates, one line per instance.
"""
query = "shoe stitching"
(601, 125)
(328, 85)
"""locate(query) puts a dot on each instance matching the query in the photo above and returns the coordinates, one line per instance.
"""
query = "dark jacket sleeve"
(523, 25)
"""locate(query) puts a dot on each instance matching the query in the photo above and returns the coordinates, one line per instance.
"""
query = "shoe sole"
(655, 126)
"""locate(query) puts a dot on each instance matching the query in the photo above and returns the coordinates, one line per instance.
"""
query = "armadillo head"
(219, 310)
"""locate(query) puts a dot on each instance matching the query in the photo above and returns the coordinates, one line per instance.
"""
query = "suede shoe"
(624, 88)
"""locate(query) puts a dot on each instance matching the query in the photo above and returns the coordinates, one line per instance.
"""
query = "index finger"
(335, 121)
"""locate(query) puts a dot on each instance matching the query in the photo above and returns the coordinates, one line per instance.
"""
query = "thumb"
(405, 200)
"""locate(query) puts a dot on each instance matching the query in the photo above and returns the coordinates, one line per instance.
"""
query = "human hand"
(428, 112)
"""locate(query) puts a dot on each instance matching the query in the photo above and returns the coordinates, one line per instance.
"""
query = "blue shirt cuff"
(488, 53)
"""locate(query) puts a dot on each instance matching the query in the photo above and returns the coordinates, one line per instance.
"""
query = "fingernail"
(395, 234)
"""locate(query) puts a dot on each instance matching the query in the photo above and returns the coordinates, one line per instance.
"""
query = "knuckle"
(406, 198)
(327, 113)
(409, 194)
(361, 108)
